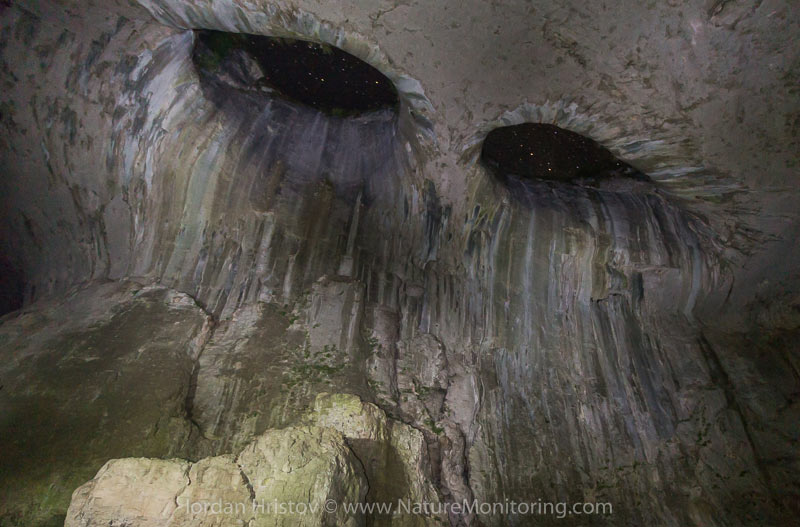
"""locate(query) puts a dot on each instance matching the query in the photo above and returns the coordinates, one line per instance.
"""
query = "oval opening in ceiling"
(318, 75)
(539, 151)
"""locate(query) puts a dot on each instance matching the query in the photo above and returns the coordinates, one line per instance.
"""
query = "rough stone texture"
(239, 390)
(131, 491)
(630, 343)
(393, 454)
(102, 373)
(348, 451)
(308, 466)
(263, 366)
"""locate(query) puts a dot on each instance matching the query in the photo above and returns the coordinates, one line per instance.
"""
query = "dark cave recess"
(318, 75)
(541, 151)
(12, 287)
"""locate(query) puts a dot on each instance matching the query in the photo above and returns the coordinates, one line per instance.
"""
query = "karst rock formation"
(216, 290)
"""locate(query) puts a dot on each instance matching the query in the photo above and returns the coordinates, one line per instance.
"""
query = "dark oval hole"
(547, 152)
(321, 76)
(12, 287)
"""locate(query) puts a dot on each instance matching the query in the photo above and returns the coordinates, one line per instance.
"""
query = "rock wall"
(550, 342)
(83, 382)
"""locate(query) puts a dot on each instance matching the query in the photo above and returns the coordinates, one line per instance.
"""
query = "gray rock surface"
(626, 343)
(102, 373)
(347, 453)
(393, 454)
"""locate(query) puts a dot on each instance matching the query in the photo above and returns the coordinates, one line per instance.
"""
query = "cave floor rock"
(103, 373)
(127, 371)
(348, 452)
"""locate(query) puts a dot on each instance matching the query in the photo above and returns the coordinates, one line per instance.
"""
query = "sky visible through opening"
(318, 75)
(545, 151)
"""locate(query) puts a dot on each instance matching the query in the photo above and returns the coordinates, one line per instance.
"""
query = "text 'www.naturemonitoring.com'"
(399, 507)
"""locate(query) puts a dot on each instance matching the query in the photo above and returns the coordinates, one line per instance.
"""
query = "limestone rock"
(349, 452)
(264, 365)
(284, 478)
(394, 455)
(595, 337)
(132, 491)
(215, 495)
(104, 373)
(422, 378)
(310, 465)
(239, 391)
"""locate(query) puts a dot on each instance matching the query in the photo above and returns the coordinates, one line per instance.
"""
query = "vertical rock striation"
(242, 254)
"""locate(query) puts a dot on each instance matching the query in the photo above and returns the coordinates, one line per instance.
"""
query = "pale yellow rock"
(285, 478)
(216, 497)
(393, 454)
(306, 466)
(134, 492)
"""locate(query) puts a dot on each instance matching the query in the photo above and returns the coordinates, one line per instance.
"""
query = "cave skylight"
(318, 75)
(540, 151)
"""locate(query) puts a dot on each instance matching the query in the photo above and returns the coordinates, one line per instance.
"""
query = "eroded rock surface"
(348, 453)
(264, 366)
(103, 373)
(626, 342)
(300, 469)
(394, 456)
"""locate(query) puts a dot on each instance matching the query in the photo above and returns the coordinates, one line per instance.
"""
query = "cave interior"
(499, 264)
